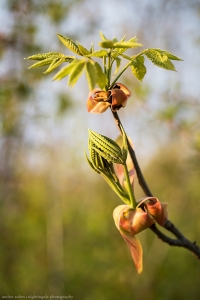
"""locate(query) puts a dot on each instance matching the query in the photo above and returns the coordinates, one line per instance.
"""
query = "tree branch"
(181, 240)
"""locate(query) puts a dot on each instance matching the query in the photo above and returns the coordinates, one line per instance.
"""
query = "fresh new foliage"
(111, 52)
(104, 153)
(116, 162)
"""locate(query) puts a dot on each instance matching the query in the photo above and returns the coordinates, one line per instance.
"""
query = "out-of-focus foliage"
(57, 234)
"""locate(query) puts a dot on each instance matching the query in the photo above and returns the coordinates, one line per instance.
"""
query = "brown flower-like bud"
(99, 101)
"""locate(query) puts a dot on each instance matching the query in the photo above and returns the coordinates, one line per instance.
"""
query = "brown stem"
(181, 240)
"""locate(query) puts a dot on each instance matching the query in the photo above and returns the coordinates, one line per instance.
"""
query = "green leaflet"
(55, 63)
(91, 75)
(66, 70)
(138, 68)
(169, 55)
(123, 39)
(69, 44)
(118, 51)
(126, 45)
(91, 164)
(103, 36)
(159, 59)
(106, 44)
(118, 63)
(98, 53)
(101, 77)
(42, 63)
(125, 144)
(83, 50)
(133, 39)
(52, 58)
(109, 157)
(42, 56)
(76, 72)
(92, 49)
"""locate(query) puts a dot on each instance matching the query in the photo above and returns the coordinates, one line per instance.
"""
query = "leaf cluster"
(111, 51)
(104, 152)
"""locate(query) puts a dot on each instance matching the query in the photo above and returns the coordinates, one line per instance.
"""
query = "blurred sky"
(169, 25)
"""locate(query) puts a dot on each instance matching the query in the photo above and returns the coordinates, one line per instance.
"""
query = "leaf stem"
(133, 202)
(104, 67)
(124, 69)
(140, 176)
(115, 187)
(109, 67)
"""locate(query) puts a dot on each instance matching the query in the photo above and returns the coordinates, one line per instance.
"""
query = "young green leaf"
(126, 45)
(92, 49)
(109, 157)
(69, 44)
(66, 70)
(106, 144)
(138, 68)
(119, 51)
(133, 39)
(106, 44)
(102, 79)
(91, 75)
(83, 50)
(98, 53)
(115, 40)
(168, 54)
(91, 164)
(42, 56)
(118, 62)
(76, 72)
(55, 63)
(41, 63)
(103, 36)
(159, 59)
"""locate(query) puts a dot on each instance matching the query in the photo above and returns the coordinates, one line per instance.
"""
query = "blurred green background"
(57, 234)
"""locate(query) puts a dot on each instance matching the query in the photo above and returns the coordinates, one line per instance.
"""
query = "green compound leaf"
(91, 75)
(66, 70)
(102, 79)
(138, 68)
(159, 59)
(98, 53)
(69, 44)
(76, 72)
(83, 50)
